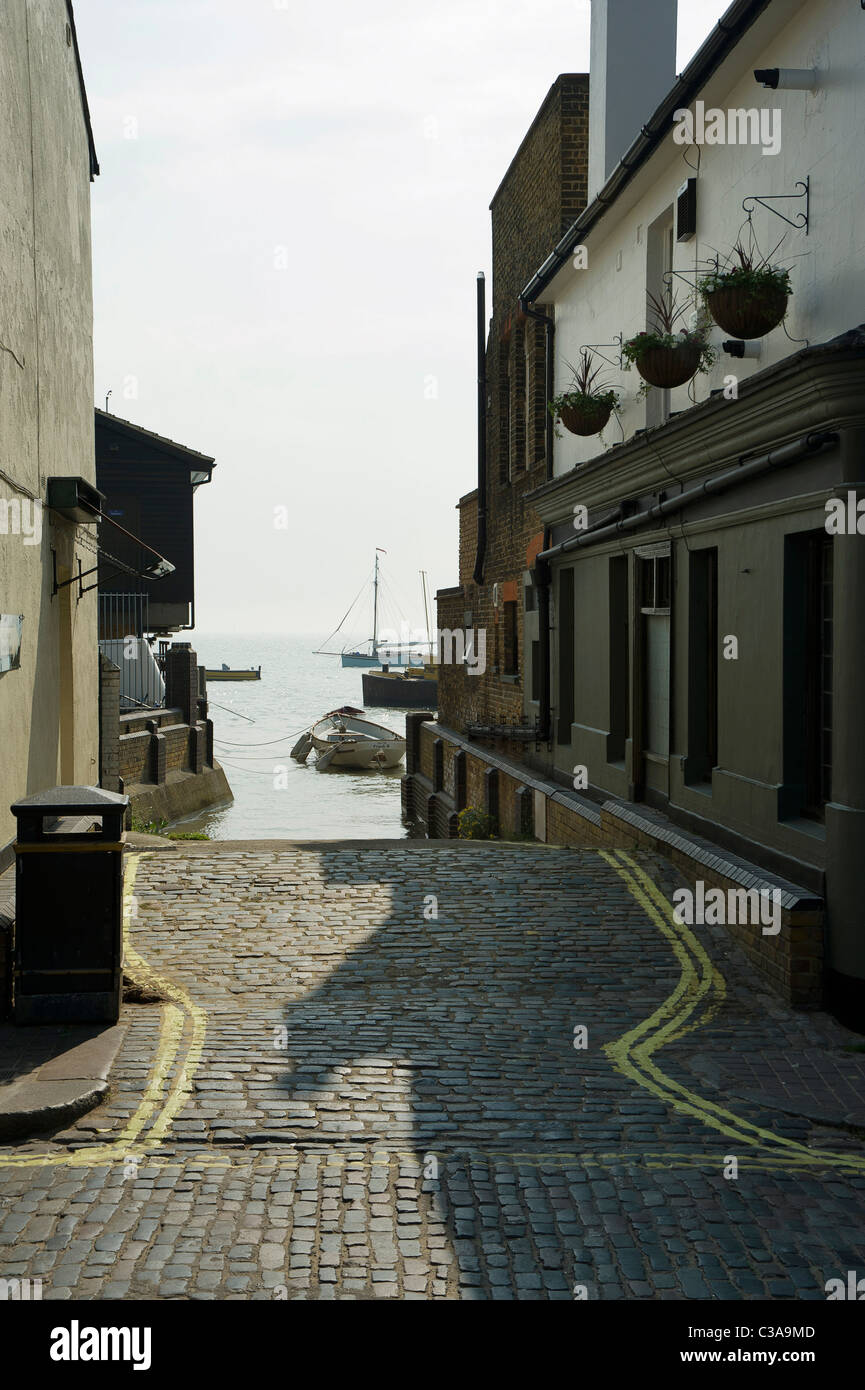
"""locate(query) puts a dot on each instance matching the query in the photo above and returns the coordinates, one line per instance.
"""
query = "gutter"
(723, 38)
(85, 107)
(781, 457)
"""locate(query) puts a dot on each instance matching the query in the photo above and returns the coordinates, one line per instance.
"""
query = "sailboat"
(378, 653)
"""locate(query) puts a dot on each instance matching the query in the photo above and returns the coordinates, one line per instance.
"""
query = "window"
(702, 665)
(504, 392)
(653, 591)
(565, 626)
(510, 638)
(620, 702)
(536, 670)
(655, 584)
(808, 675)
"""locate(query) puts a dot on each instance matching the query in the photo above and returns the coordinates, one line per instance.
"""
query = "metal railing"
(123, 622)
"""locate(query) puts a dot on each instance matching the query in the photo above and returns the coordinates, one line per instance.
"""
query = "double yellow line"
(698, 995)
(165, 1095)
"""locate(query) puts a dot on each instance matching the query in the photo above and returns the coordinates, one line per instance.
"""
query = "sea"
(257, 723)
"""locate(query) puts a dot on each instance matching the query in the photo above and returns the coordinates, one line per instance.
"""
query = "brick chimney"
(632, 67)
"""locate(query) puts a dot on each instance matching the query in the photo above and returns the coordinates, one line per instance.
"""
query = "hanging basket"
(589, 417)
(747, 313)
(669, 366)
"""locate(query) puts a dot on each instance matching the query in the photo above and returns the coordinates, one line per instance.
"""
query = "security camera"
(741, 347)
(792, 79)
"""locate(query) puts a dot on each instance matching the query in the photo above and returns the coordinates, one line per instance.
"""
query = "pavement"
(51, 1074)
(438, 1070)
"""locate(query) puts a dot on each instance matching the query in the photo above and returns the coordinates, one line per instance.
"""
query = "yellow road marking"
(168, 1045)
(632, 1052)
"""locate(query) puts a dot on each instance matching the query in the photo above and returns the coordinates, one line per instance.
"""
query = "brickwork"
(109, 724)
(134, 758)
(541, 194)
(181, 680)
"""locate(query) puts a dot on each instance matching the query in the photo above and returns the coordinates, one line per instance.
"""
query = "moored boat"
(416, 688)
(342, 739)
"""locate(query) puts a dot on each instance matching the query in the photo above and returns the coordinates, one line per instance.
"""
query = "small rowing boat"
(342, 739)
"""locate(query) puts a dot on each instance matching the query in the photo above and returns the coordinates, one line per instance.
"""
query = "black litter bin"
(68, 945)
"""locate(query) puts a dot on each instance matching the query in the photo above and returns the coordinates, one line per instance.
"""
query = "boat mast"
(375, 604)
(426, 610)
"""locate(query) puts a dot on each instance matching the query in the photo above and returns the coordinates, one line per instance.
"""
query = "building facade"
(48, 644)
(542, 192)
(697, 666)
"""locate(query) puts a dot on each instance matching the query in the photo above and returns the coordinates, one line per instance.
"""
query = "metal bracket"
(76, 578)
(802, 218)
(617, 342)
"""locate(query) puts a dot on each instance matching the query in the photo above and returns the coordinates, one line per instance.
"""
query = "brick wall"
(134, 758)
(109, 724)
(541, 194)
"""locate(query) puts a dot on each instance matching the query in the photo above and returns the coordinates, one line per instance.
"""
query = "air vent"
(686, 210)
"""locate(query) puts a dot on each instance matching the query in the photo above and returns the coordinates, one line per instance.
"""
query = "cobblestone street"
(362, 1073)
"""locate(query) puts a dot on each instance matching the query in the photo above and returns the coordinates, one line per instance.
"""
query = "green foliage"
(579, 401)
(158, 827)
(148, 827)
(474, 823)
(588, 392)
(665, 311)
(747, 270)
(634, 348)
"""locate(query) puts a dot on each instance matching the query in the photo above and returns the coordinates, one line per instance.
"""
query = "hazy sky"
(291, 213)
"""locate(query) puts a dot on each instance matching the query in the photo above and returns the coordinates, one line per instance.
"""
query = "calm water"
(255, 726)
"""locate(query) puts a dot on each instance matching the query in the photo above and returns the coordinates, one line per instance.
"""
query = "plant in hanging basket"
(587, 404)
(663, 355)
(748, 298)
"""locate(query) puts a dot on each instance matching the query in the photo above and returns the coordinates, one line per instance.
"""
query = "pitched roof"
(169, 446)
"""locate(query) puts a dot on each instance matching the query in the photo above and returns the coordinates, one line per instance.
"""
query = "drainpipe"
(777, 458)
(480, 554)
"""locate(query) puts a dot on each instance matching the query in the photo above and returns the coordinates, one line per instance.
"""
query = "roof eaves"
(721, 41)
(94, 162)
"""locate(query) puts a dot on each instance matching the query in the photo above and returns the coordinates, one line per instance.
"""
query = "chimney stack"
(632, 68)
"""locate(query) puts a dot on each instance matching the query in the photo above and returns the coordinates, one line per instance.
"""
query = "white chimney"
(632, 68)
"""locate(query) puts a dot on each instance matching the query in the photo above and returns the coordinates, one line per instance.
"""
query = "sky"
(291, 213)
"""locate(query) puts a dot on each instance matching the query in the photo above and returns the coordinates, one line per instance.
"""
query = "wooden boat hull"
(365, 660)
(345, 741)
(233, 675)
(396, 690)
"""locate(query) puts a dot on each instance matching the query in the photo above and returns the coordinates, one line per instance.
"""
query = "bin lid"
(72, 800)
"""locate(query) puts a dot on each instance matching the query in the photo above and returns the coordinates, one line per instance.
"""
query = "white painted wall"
(49, 707)
(821, 136)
